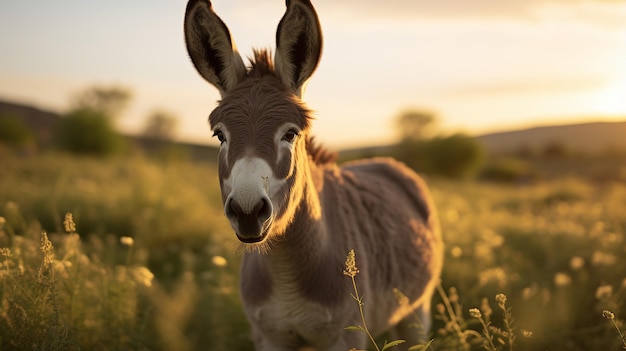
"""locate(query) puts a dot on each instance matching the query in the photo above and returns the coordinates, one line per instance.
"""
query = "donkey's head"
(260, 122)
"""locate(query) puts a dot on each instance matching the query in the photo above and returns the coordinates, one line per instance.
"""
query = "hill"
(589, 138)
(39, 121)
(42, 123)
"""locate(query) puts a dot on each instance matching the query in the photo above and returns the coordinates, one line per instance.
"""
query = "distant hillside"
(42, 123)
(587, 138)
(39, 121)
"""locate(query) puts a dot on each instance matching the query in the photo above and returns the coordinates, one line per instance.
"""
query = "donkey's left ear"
(298, 44)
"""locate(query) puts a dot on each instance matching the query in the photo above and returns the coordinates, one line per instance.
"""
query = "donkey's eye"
(291, 135)
(220, 136)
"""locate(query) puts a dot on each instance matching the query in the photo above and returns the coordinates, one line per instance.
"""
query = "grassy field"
(154, 265)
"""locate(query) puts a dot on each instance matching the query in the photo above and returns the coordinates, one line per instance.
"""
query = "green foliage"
(179, 235)
(88, 131)
(13, 132)
(508, 170)
(456, 156)
(88, 128)
(56, 297)
(555, 249)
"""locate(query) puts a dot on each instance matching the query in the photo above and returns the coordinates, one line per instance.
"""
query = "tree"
(87, 131)
(88, 128)
(455, 156)
(108, 101)
(161, 125)
(415, 124)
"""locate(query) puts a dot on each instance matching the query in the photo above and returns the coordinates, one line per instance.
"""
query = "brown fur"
(378, 207)
(292, 286)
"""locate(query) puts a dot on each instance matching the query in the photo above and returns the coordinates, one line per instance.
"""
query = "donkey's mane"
(261, 65)
(320, 154)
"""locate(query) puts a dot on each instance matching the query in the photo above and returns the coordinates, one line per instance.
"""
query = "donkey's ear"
(298, 44)
(210, 47)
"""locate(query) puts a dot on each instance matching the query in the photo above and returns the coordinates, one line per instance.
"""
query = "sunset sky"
(481, 65)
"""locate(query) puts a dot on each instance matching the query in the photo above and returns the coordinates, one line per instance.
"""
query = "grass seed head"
(608, 314)
(351, 269)
(501, 300)
(68, 223)
(527, 333)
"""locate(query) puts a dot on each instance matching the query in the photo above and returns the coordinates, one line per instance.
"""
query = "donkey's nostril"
(233, 209)
(263, 209)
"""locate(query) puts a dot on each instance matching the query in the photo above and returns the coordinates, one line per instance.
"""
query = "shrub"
(456, 156)
(87, 131)
(13, 131)
(508, 170)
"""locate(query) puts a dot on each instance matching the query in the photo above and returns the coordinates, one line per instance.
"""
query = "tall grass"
(171, 211)
(556, 250)
(54, 297)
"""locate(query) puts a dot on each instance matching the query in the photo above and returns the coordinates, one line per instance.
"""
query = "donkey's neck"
(305, 237)
(302, 258)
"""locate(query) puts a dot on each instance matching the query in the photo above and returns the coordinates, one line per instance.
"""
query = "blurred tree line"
(460, 156)
(89, 128)
(89, 125)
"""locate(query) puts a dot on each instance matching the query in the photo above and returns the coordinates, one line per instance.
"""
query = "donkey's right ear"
(210, 47)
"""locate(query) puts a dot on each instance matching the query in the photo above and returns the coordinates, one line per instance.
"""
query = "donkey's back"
(397, 239)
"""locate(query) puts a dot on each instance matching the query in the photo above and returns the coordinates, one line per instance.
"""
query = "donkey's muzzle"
(249, 220)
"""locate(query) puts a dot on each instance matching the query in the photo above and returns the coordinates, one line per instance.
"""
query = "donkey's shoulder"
(391, 179)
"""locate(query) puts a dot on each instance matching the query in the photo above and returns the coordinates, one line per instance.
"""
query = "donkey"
(296, 212)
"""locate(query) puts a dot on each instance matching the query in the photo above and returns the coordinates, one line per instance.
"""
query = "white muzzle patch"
(248, 204)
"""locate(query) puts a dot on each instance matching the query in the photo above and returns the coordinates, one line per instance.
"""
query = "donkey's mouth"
(252, 232)
(252, 240)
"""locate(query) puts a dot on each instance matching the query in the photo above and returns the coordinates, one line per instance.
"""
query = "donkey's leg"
(263, 343)
(266, 345)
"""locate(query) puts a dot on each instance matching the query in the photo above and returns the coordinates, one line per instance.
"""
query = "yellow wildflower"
(475, 312)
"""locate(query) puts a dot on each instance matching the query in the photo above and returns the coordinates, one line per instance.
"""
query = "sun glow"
(612, 99)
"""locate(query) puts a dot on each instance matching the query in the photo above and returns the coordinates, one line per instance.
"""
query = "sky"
(479, 65)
